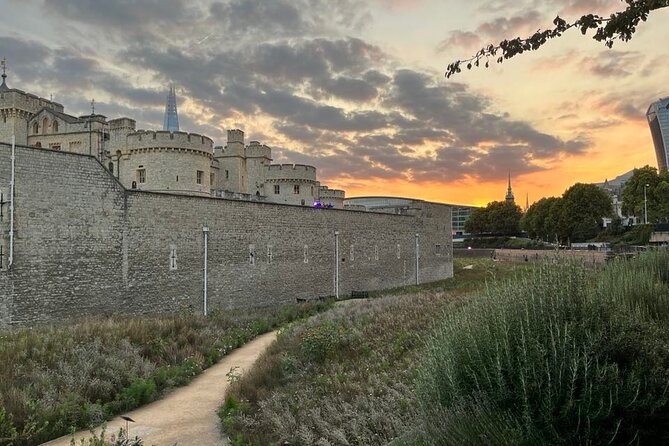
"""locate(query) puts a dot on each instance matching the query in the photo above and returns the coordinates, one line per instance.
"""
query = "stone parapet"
(291, 172)
(147, 139)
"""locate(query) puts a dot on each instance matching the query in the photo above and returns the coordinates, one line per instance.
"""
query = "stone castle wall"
(86, 246)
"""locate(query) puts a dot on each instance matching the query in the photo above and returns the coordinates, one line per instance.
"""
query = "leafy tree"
(535, 221)
(477, 222)
(498, 217)
(657, 194)
(583, 207)
(619, 26)
(552, 224)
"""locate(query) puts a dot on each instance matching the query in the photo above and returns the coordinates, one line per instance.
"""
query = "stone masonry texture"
(84, 246)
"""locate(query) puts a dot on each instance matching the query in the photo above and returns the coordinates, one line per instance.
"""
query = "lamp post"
(205, 232)
(336, 277)
(645, 203)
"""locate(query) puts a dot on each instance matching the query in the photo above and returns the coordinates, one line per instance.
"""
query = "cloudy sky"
(356, 88)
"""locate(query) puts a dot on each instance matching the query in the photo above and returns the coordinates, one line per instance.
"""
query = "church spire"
(171, 122)
(3, 63)
(509, 193)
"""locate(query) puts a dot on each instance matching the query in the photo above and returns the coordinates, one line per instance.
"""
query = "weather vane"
(3, 63)
(92, 106)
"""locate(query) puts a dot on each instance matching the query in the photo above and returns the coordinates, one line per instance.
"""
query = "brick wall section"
(86, 246)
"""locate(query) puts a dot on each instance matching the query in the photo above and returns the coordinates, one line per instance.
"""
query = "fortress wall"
(368, 249)
(69, 216)
(86, 246)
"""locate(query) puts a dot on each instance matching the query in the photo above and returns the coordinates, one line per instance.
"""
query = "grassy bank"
(559, 357)
(55, 380)
(346, 376)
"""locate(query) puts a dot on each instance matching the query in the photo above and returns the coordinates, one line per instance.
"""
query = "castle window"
(296, 189)
(252, 254)
(35, 129)
(45, 125)
(352, 256)
(55, 126)
(173, 257)
(227, 175)
(38, 145)
(376, 252)
(270, 254)
(277, 189)
(141, 176)
(200, 176)
(54, 146)
(212, 177)
(437, 250)
(398, 251)
(306, 253)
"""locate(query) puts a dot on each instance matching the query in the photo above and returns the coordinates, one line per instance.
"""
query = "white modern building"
(658, 120)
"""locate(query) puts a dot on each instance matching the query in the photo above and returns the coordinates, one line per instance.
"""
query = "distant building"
(407, 206)
(509, 193)
(171, 122)
(658, 120)
(614, 189)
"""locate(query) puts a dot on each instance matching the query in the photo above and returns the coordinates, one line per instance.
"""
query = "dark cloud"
(494, 31)
(287, 18)
(613, 63)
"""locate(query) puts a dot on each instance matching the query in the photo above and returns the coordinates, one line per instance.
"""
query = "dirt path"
(186, 416)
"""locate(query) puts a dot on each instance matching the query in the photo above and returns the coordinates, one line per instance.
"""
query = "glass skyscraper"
(658, 120)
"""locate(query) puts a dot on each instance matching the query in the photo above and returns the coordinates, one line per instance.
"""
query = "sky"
(357, 88)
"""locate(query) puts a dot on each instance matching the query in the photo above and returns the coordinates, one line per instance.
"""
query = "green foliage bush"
(558, 356)
(321, 341)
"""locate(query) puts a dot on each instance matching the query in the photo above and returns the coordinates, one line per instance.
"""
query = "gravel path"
(187, 416)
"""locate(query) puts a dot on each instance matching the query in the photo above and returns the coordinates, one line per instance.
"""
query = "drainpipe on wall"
(205, 232)
(336, 278)
(11, 205)
(417, 256)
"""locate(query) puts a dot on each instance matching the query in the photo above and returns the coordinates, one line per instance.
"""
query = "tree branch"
(619, 26)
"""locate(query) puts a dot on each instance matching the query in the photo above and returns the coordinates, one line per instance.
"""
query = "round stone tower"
(162, 161)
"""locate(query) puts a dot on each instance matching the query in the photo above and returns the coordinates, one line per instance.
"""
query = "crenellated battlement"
(291, 172)
(257, 150)
(14, 98)
(327, 193)
(145, 139)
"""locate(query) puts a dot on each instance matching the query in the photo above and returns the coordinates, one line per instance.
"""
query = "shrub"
(321, 341)
(557, 356)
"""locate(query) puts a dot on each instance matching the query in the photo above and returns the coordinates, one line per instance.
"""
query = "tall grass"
(345, 377)
(557, 356)
(54, 380)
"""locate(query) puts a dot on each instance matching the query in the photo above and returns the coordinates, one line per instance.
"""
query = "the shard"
(171, 122)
